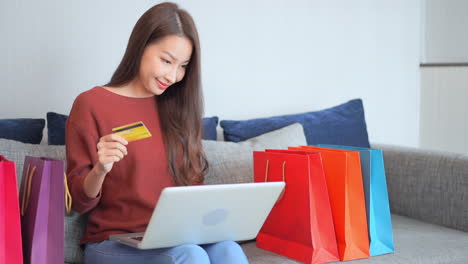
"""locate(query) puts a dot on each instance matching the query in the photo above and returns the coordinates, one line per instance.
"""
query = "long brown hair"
(181, 106)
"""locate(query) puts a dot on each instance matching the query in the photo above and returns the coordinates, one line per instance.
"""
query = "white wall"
(259, 58)
(446, 34)
(444, 108)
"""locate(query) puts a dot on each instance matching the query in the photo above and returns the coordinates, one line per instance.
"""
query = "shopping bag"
(10, 225)
(300, 224)
(43, 193)
(344, 181)
(379, 220)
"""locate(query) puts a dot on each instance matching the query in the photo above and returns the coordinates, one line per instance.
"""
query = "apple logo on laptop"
(215, 217)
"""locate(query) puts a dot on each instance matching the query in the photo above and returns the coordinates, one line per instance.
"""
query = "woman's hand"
(111, 148)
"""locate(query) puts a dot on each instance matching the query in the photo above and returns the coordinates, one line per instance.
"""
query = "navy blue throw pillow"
(340, 125)
(56, 128)
(26, 130)
(209, 127)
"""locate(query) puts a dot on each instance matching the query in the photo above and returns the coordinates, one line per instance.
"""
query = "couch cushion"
(56, 128)
(26, 130)
(233, 162)
(340, 125)
(75, 223)
(415, 242)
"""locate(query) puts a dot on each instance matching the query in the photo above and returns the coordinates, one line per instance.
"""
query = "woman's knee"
(226, 252)
(191, 253)
(228, 245)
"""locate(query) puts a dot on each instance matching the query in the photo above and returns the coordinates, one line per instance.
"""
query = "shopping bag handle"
(27, 191)
(284, 177)
(68, 197)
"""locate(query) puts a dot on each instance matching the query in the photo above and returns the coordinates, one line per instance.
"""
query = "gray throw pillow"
(75, 224)
(233, 162)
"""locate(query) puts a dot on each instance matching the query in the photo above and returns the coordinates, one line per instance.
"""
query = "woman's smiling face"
(164, 63)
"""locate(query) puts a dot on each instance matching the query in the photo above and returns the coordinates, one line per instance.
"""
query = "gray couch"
(428, 193)
(428, 197)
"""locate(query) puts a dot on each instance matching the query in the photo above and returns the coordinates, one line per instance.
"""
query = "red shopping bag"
(10, 226)
(300, 225)
(344, 181)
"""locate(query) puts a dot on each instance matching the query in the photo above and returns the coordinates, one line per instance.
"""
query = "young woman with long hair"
(118, 183)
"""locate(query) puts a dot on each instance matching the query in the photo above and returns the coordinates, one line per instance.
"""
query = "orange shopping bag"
(344, 181)
(300, 225)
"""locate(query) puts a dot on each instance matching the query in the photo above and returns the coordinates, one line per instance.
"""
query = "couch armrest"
(431, 186)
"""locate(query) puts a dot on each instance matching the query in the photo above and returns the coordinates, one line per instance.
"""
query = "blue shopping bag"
(377, 205)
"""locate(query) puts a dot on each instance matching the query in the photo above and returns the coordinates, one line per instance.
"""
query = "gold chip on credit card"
(132, 132)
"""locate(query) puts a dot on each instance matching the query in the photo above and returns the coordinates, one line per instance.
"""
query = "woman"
(117, 182)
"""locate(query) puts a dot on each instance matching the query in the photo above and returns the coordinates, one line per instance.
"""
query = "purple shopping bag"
(42, 196)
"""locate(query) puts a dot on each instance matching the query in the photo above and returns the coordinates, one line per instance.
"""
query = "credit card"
(132, 132)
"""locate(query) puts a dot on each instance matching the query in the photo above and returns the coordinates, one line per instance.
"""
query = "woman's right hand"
(111, 148)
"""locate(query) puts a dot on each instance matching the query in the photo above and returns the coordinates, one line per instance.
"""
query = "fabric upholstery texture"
(431, 186)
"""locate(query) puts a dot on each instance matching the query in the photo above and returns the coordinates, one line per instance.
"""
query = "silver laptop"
(206, 214)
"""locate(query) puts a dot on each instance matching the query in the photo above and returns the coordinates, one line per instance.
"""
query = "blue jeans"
(226, 252)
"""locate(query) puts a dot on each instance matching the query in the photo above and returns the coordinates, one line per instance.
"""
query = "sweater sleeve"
(81, 137)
